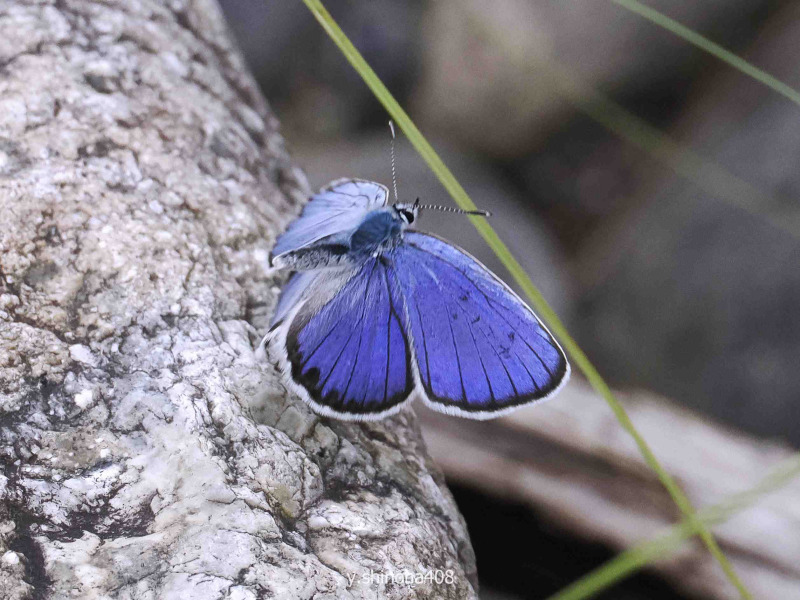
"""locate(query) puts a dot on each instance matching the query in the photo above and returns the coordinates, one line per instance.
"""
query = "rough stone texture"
(146, 451)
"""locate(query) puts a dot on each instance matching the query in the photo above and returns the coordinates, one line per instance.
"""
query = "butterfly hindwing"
(348, 354)
(293, 292)
(479, 349)
(331, 214)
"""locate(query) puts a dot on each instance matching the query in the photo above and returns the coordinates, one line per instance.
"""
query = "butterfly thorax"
(380, 231)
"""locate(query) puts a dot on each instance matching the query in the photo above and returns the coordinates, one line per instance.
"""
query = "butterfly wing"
(479, 349)
(335, 211)
(293, 293)
(344, 348)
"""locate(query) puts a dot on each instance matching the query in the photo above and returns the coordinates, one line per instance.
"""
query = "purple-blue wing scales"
(351, 357)
(479, 349)
(337, 209)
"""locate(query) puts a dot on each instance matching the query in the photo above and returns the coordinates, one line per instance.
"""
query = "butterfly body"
(376, 312)
(379, 231)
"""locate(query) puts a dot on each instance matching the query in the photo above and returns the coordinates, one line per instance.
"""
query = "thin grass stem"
(682, 159)
(628, 562)
(707, 175)
(463, 200)
(703, 43)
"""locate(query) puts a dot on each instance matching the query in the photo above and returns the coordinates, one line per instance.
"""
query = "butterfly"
(376, 312)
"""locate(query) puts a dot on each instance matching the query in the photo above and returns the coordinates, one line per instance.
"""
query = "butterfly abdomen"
(314, 257)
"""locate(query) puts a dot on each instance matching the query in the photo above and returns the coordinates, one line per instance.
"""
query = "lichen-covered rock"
(146, 451)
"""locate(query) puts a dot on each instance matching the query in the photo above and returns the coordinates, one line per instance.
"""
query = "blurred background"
(649, 189)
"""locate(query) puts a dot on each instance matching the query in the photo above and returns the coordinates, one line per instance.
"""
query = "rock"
(143, 445)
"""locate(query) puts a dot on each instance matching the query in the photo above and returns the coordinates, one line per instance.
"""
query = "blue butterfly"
(375, 312)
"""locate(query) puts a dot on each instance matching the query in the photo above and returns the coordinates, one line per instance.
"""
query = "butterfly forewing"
(479, 349)
(336, 209)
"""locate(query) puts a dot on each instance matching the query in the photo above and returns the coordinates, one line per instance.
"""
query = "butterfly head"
(407, 212)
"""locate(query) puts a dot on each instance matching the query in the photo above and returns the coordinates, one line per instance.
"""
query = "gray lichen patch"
(12, 158)
(27, 354)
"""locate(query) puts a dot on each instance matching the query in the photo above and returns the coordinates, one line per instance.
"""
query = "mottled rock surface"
(146, 451)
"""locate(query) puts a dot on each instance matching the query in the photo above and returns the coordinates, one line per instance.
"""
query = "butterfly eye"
(407, 216)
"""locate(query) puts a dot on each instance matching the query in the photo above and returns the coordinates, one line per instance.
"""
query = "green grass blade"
(707, 175)
(630, 561)
(517, 272)
(716, 50)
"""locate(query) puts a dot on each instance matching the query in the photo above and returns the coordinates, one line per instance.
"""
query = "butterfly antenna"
(417, 205)
(458, 211)
(394, 172)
